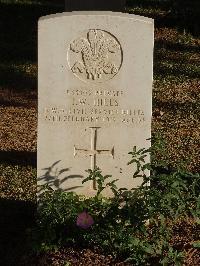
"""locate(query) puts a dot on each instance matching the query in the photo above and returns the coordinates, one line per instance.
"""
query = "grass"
(176, 108)
(18, 182)
(175, 95)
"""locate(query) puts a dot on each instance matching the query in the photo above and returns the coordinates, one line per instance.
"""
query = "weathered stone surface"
(95, 89)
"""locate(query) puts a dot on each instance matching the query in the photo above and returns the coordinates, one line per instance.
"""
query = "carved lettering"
(93, 92)
(105, 102)
(81, 101)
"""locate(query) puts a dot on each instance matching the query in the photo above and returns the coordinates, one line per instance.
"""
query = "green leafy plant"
(135, 224)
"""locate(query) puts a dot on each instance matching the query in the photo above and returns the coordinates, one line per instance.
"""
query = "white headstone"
(95, 96)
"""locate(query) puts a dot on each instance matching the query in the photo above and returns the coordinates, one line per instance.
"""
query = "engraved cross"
(93, 151)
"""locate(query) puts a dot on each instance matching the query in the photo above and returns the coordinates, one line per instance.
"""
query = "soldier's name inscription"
(94, 106)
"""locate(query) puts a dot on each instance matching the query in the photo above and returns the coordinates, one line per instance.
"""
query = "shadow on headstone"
(56, 178)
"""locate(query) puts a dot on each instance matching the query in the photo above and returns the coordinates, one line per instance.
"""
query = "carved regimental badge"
(95, 57)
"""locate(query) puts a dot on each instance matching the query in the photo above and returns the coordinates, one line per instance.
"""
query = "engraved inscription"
(93, 152)
(96, 107)
(96, 56)
(94, 116)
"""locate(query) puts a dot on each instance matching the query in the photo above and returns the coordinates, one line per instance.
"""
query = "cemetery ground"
(175, 120)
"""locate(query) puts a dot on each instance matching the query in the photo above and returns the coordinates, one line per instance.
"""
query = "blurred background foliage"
(183, 14)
